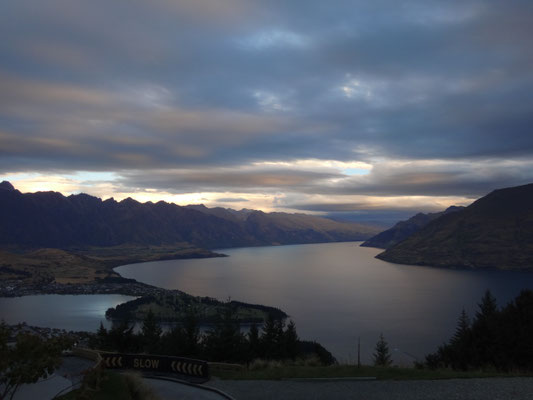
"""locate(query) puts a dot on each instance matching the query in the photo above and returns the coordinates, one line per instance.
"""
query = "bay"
(70, 312)
(338, 292)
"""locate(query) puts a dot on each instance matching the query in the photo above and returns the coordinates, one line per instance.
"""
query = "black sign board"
(152, 363)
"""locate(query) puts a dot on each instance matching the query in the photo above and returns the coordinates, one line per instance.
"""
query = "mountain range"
(50, 219)
(494, 232)
(403, 229)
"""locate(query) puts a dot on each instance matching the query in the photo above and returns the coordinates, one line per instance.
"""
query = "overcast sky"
(314, 106)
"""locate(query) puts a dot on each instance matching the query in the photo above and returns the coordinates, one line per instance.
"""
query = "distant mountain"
(403, 229)
(284, 228)
(226, 213)
(49, 219)
(494, 232)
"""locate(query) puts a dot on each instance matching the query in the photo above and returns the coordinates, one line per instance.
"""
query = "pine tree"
(463, 328)
(268, 336)
(225, 342)
(191, 334)
(290, 339)
(151, 333)
(484, 333)
(173, 341)
(272, 338)
(121, 337)
(253, 342)
(382, 357)
(488, 306)
(102, 337)
(458, 353)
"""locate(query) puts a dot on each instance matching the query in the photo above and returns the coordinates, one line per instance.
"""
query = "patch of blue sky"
(93, 176)
(355, 171)
(19, 176)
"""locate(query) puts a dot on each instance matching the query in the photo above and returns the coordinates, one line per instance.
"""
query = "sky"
(350, 108)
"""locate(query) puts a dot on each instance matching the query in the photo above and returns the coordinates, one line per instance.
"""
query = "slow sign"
(147, 362)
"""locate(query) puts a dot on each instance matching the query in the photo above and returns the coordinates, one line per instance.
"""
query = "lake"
(337, 292)
(70, 312)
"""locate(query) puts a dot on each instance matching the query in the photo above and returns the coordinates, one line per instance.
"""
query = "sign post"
(152, 363)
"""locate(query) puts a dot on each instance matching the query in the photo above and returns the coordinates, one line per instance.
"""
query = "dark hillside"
(494, 232)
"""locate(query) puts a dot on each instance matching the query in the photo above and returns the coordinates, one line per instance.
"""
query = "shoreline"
(111, 282)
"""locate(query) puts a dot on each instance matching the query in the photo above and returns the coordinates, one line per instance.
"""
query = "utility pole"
(359, 352)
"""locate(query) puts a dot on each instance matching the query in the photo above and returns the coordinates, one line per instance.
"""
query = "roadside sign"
(155, 363)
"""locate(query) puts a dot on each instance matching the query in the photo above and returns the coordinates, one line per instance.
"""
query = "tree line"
(496, 338)
(223, 342)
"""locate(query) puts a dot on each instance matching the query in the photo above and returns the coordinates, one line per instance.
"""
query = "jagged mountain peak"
(5, 185)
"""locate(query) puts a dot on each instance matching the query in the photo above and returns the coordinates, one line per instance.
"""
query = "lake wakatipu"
(335, 293)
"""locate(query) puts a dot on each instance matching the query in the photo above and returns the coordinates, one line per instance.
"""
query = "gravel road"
(463, 389)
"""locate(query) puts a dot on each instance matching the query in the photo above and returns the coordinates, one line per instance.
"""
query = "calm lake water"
(70, 312)
(337, 292)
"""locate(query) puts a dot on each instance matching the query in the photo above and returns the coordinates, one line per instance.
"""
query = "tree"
(101, 339)
(184, 339)
(272, 338)
(30, 359)
(191, 330)
(498, 339)
(121, 338)
(459, 352)
(487, 308)
(225, 342)
(463, 328)
(151, 333)
(382, 357)
(253, 342)
(484, 332)
(290, 339)
(515, 330)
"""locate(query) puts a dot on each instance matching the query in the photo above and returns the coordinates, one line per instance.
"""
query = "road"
(453, 389)
(171, 390)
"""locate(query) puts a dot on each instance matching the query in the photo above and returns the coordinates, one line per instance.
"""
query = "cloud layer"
(240, 98)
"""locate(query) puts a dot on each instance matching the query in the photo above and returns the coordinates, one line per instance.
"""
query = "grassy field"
(46, 265)
(113, 256)
(278, 372)
(85, 265)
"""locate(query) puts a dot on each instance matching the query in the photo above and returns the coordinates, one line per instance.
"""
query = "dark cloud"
(187, 181)
(466, 178)
(167, 85)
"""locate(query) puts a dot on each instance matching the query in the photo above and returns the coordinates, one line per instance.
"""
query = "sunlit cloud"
(317, 164)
